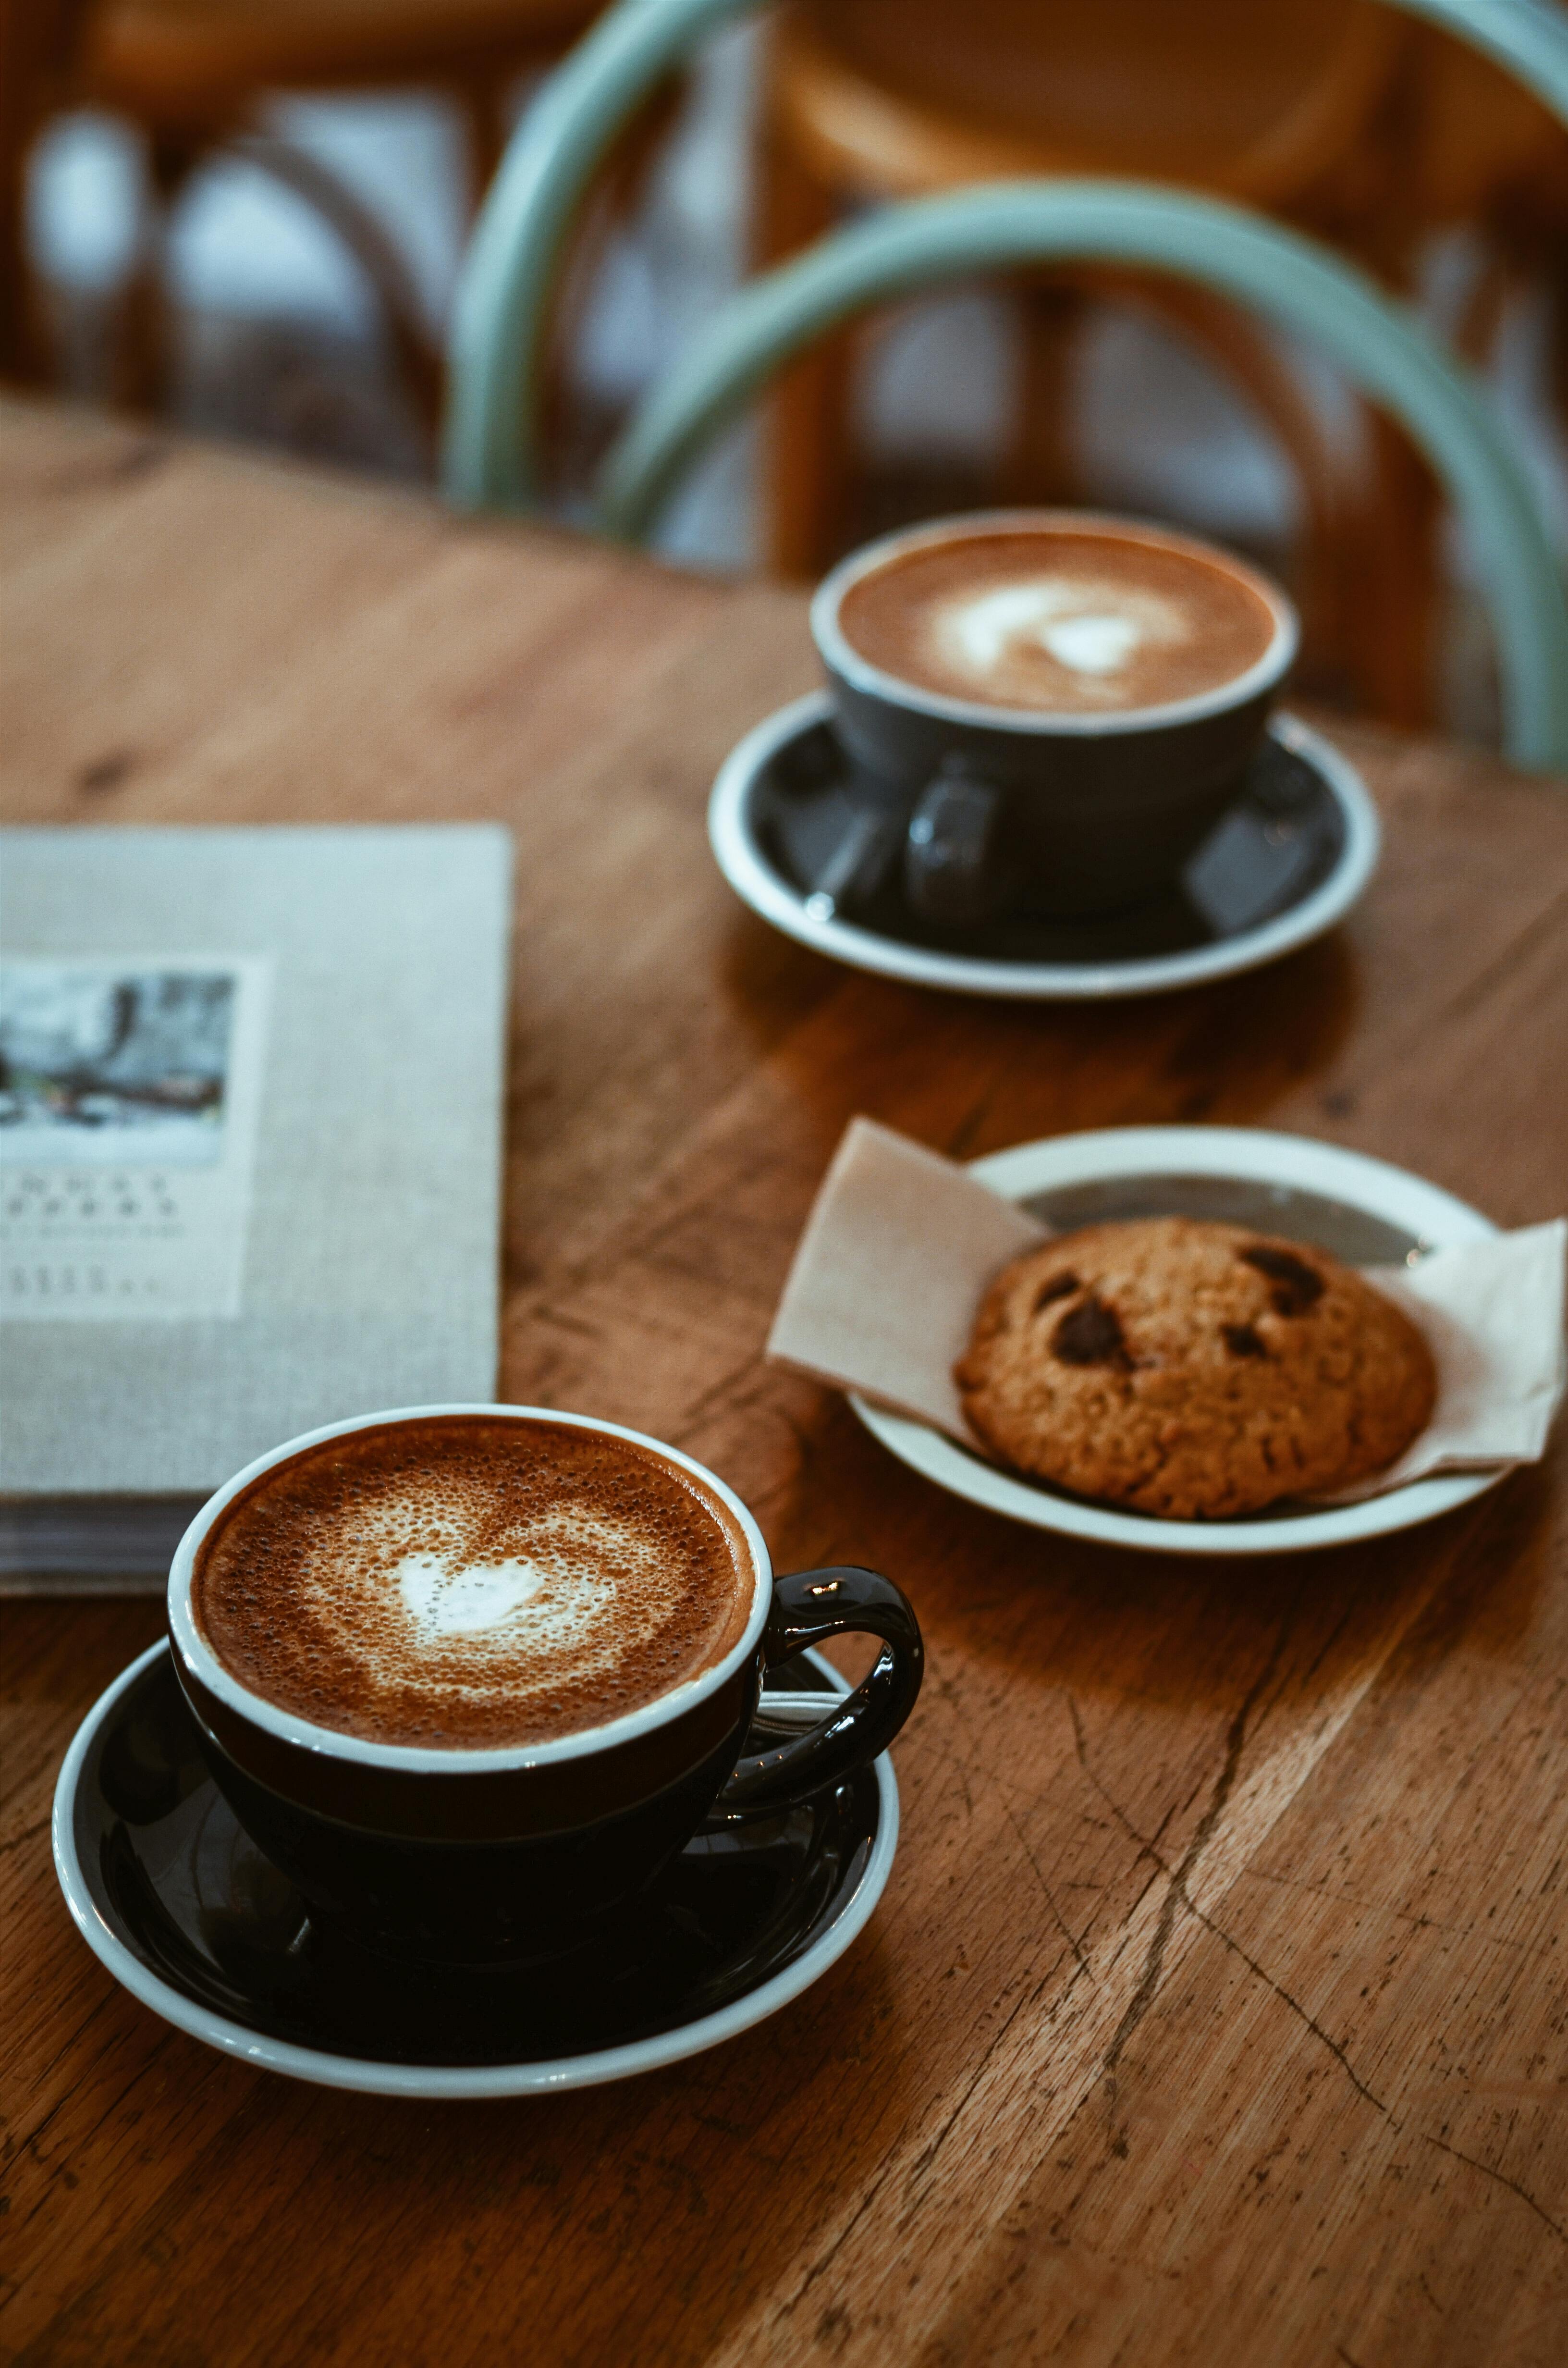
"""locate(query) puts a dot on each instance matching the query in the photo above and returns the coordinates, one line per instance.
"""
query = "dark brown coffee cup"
(521, 1854)
(1073, 810)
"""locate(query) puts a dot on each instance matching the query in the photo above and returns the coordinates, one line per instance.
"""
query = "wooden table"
(1216, 2009)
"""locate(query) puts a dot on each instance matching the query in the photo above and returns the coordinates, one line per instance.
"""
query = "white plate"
(449, 2080)
(756, 881)
(1247, 1176)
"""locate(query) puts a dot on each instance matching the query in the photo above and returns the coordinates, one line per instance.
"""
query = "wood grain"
(1215, 2010)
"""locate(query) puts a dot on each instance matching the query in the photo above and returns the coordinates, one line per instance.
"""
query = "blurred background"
(247, 217)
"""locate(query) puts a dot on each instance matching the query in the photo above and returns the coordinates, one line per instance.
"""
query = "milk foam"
(442, 1601)
(425, 1594)
(1094, 629)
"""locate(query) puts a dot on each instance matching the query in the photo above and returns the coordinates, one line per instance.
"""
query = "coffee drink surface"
(469, 1582)
(1058, 619)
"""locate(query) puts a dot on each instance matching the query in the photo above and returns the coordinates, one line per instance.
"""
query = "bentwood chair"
(503, 311)
(189, 74)
(868, 101)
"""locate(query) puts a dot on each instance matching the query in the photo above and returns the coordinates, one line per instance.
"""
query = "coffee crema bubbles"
(473, 1583)
(1057, 619)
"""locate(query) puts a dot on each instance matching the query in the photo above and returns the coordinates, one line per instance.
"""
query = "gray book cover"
(250, 1157)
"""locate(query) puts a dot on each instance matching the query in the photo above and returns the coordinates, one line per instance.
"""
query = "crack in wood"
(1178, 1889)
(1312, 2024)
(961, 1766)
(1142, 1997)
(1488, 2171)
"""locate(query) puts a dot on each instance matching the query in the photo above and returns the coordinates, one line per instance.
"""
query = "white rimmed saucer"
(1364, 1210)
(764, 884)
(151, 1888)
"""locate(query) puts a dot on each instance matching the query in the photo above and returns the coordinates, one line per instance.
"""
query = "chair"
(867, 101)
(504, 295)
(190, 73)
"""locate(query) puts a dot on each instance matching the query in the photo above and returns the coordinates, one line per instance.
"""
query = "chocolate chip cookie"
(1192, 1371)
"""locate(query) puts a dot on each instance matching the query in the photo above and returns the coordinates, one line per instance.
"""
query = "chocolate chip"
(1298, 1286)
(1243, 1341)
(1091, 1335)
(1061, 1286)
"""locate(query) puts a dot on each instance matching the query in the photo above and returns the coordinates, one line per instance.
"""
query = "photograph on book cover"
(129, 1097)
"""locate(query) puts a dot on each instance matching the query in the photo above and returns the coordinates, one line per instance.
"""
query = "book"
(251, 1091)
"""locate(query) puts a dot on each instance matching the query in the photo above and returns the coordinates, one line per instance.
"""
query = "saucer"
(166, 1887)
(1361, 1210)
(1284, 863)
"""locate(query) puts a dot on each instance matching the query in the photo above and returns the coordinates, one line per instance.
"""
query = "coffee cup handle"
(948, 854)
(808, 1605)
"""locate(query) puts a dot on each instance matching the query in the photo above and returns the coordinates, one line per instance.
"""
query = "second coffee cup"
(469, 1676)
(1047, 710)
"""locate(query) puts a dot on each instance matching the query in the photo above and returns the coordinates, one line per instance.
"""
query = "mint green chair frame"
(502, 315)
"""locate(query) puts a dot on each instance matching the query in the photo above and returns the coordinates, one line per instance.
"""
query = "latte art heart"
(545, 1597)
(1089, 628)
(441, 1600)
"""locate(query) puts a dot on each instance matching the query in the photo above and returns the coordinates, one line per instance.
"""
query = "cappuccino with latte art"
(471, 1676)
(1063, 620)
(1054, 709)
(471, 1581)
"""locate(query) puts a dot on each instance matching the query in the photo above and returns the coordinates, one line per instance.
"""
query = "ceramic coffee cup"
(992, 802)
(485, 1855)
